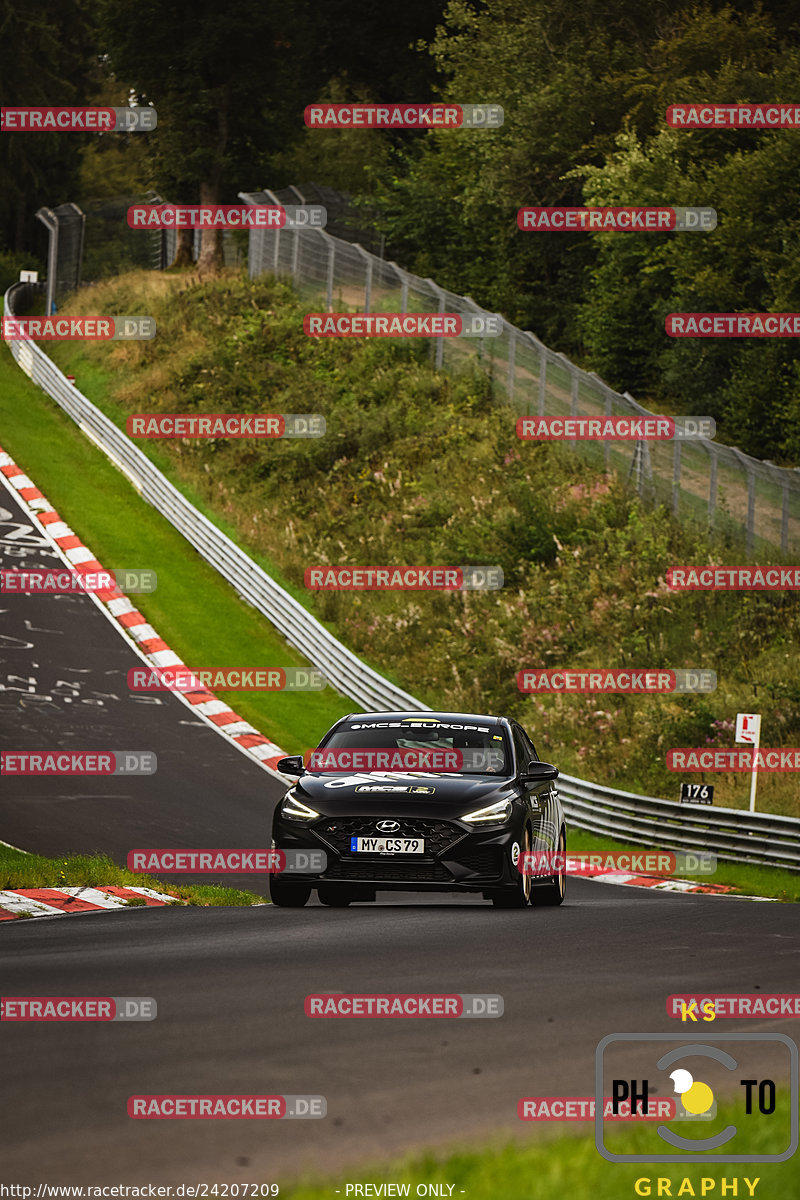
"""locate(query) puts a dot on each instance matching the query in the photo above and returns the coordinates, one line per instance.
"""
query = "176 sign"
(697, 793)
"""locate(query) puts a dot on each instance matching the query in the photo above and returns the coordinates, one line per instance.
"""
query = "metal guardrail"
(732, 834)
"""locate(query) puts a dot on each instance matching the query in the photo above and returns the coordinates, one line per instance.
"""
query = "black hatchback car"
(421, 801)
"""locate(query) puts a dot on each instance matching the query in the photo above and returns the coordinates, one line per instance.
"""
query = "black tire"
(551, 894)
(288, 895)
(516, 895)
(334, 897)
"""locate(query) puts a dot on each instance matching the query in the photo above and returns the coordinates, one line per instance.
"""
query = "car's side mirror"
(539, 772)
(293, 765)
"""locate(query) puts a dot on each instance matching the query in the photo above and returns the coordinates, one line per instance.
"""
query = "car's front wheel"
(518, 894)
(288, 894)
(553, 892)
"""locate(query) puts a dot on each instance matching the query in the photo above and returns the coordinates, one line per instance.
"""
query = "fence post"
(365, 254)
(712, 488)
(512, 351)
(48, 219)
(542, 379)
(437, 291)
(403, 286)
(676, 477)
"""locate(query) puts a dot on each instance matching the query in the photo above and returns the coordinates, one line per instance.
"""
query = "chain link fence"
(65, 226)
(723, 489)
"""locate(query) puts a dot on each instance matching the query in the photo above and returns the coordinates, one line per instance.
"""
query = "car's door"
(543, 798)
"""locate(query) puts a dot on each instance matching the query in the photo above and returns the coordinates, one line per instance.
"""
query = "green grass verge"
(749, 880)
(571, 1166)
(21, 870)
(196, 612)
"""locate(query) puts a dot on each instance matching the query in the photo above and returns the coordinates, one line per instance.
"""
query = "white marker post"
(748, 730)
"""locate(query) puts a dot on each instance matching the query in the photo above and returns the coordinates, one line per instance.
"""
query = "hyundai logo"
(388, 826)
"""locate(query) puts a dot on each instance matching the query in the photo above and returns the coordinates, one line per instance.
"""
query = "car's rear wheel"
(552, 893)
(286, 894)
(518, 894)
(334, 897)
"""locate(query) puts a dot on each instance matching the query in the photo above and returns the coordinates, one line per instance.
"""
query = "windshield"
(415, 745)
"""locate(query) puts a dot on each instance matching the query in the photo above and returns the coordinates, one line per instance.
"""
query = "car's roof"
(427, 714)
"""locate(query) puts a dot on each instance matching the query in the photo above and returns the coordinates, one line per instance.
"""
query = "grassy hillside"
(422, 467)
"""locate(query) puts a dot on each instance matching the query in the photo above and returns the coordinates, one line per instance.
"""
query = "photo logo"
(693, 1072)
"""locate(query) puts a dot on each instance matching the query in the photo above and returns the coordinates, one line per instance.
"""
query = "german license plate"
(384, 845)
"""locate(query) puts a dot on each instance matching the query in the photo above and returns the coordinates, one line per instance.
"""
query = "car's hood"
(411, 794)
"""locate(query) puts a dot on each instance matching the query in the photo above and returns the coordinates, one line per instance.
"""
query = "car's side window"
(521, 750)
(533, 755)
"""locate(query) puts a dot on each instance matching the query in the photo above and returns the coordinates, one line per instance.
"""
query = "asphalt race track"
(63, 669)
(230, 983)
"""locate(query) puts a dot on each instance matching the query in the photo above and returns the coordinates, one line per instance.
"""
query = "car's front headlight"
(295, 810)
(493, 814)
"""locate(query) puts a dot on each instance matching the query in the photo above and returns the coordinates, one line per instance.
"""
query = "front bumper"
(456, 858)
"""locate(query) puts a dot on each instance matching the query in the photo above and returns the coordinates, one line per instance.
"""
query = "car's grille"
(486, 860)
(438, 835)
(394, 871)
